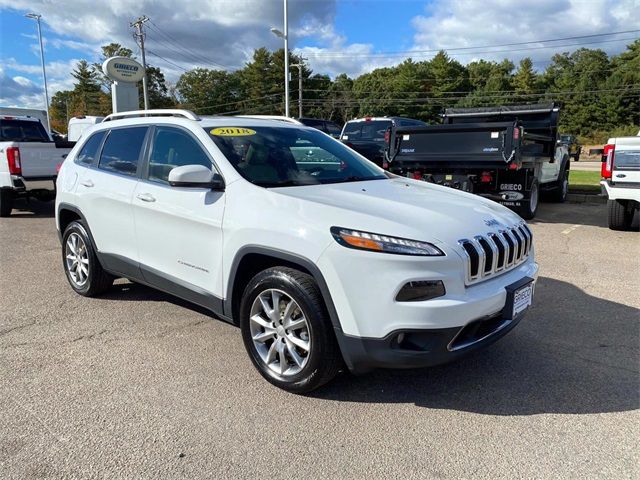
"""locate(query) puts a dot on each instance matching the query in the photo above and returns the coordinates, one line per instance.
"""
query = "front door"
(178, 230)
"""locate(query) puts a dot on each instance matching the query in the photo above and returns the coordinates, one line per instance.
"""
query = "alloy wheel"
(77, 259)
(280, 332)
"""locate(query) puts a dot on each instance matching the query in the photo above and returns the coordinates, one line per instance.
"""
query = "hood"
(407, 208)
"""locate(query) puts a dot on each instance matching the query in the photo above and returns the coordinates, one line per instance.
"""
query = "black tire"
(620, 214)
(323, 360)
(6, 202)
(530, 207)
(561, 191)
(97, 279)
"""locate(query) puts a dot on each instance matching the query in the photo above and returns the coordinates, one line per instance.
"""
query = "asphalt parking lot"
(136, 384)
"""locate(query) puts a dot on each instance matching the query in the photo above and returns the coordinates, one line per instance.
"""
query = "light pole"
(37, 17)
(285, 36)
(299, 65)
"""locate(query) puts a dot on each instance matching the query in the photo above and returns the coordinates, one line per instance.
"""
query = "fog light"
(420, 291)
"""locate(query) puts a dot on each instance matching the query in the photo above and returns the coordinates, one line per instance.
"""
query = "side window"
(89, 151)
(173, 148)
(121, 150)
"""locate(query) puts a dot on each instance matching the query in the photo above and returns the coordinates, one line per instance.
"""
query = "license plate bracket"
(519, 298)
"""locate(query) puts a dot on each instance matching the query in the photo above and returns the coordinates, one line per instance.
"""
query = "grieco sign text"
(123, 69)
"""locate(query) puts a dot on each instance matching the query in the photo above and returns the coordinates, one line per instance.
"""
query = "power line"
(492, 75)
(630, 89)
(150, 52)
(185, 49)
(452, 49)
(201, 106)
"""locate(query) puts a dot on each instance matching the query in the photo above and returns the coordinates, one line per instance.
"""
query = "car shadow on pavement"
(31, 208)
(126, 290)
(594, 215)
(572, 354)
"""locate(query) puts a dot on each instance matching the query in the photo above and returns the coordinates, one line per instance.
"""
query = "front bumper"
(375, 330)
(427, 347)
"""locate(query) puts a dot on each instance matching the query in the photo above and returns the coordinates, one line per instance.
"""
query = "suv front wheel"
(287, 332)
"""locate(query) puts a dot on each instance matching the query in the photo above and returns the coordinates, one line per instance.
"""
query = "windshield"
(285, 156)
(22, 131)
(565, 138)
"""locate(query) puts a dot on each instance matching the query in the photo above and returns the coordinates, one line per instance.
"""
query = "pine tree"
(86, 92)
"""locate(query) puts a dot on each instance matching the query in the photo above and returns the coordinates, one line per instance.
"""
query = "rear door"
(105, 190)
(626, 161)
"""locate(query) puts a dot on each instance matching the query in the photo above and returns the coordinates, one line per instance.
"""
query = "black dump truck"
(508, 154)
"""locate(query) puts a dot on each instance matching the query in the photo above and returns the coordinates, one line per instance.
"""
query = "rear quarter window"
(89, 151)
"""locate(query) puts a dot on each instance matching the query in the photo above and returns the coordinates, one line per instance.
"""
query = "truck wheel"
(6, 202)
(530, 208)
(81, 266)
(287, 332)
(560, 193)
(620, 214)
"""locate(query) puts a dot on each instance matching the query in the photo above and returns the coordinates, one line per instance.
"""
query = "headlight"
(383, 243)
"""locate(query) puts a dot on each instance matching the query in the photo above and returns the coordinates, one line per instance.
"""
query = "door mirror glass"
(195, 176)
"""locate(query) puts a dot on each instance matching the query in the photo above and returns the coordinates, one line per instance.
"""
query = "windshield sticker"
(404, 137)
(493, 134)
(232, 132)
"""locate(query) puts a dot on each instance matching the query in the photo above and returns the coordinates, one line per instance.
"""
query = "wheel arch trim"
(288, 257)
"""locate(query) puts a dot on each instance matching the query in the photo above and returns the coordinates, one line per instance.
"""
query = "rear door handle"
(87, 183)
(146, 197)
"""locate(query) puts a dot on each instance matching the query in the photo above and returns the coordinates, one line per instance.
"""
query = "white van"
(77, 125)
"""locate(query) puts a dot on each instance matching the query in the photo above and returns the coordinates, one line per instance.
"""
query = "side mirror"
(195, 176)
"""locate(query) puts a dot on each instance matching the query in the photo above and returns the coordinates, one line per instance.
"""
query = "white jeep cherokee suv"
(320, 257)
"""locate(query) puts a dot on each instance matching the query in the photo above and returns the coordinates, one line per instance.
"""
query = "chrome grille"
(496, 252)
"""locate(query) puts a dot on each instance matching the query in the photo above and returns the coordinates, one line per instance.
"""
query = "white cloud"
(221, 32)
(470, 23)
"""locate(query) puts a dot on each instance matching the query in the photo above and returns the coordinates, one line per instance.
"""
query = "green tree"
(525, 82)
(87, 93)
(58, 110)
(210, 92)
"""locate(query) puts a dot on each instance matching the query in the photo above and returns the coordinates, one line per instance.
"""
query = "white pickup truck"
(621, 180)
(29, 160)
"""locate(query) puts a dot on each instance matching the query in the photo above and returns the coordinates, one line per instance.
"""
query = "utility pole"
(286, 60)
(138, 25)
(299, 65)
(36, 17)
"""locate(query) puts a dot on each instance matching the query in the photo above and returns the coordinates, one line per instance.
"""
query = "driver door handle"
(146, 197)
(87, 183)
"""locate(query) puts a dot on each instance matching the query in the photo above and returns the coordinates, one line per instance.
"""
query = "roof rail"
(161, 112)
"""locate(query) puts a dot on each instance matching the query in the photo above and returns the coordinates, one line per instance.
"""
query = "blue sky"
(336, 36)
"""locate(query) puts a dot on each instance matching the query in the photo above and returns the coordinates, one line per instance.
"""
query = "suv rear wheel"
(620, 214)
(6, 202)
(81, 266)
(287, 332)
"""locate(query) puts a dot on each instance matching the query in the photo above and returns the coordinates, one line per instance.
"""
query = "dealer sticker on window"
(232, 132)
(522, 299)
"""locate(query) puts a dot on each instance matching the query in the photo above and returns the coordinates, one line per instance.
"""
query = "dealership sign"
(123, 69)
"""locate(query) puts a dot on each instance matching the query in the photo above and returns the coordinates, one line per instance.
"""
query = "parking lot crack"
(90, 336)
(17, 327)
